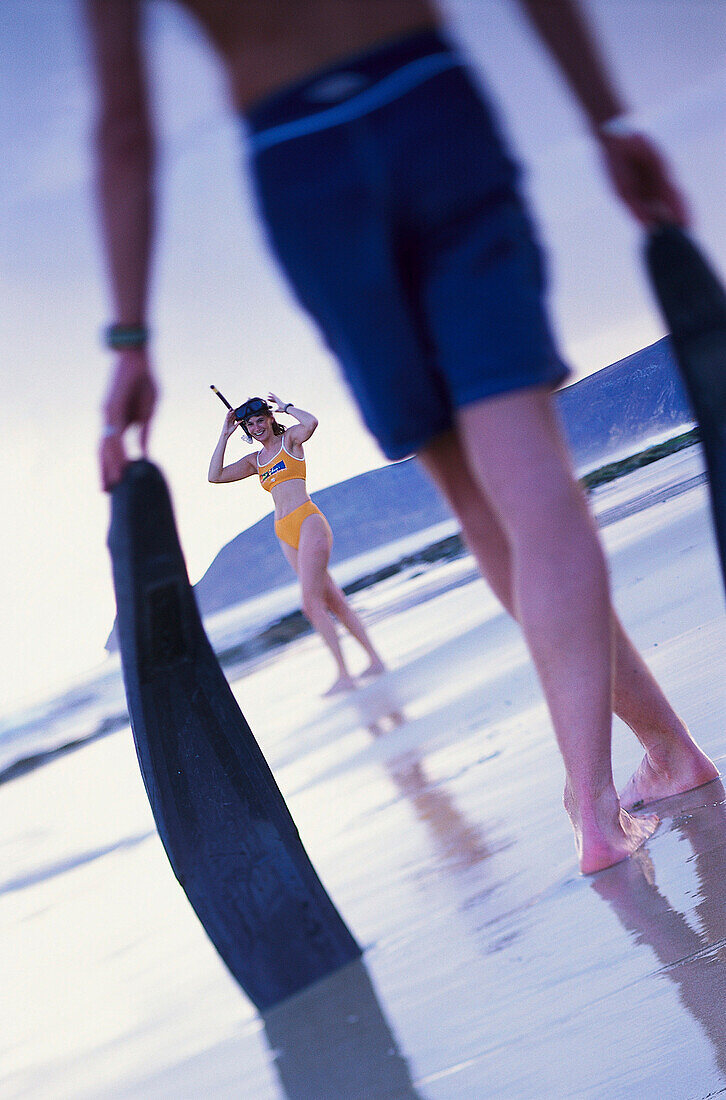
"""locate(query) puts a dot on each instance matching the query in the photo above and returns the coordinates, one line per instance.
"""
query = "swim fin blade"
(224, 824)
(693, 303)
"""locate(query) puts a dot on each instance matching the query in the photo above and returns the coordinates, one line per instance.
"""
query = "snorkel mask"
(254, 406)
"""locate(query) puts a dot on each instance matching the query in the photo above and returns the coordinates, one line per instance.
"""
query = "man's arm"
(637, 171)
(124, 151)
(562, 28)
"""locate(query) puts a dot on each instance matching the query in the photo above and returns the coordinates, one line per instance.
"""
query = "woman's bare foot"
(375, 668)
(673, 773)
(343, 683)
(605, 833)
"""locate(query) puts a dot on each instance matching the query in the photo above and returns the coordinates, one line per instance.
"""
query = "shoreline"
(241, 658)
(294, 625)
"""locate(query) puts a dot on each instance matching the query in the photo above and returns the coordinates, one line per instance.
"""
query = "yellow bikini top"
(283, 467)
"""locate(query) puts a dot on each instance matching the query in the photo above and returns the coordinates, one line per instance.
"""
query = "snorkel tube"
(221, 396)
(231, 408)
(258, 404)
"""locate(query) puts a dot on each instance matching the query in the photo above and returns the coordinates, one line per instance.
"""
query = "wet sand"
(430, 803)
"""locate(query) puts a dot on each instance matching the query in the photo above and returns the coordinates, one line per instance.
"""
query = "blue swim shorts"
(392, 204)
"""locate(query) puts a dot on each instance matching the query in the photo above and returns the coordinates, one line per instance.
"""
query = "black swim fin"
(693, 303)
(223, 822)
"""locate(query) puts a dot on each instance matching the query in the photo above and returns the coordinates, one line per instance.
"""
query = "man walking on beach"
(392, 203)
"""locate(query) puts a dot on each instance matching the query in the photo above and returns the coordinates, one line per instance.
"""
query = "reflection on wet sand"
(693, 960)
(333, 1041)
(459, 843)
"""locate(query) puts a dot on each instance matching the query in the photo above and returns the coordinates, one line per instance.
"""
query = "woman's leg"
(339, 606)
(313, 554)
(673, 762)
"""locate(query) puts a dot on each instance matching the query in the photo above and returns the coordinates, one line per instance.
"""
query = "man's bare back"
(267, 46)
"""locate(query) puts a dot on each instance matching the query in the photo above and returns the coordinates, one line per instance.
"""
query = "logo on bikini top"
(270, 474)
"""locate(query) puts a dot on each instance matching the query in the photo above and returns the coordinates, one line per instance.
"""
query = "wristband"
(617, 126)
(125, 337)
(288, 406)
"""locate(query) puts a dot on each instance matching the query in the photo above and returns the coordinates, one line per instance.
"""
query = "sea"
(93, 705)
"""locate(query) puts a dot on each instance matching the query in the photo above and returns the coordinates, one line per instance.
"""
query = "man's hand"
(131, 399)
(642, 179)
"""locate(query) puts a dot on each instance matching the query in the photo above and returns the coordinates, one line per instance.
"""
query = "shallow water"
(429, 802)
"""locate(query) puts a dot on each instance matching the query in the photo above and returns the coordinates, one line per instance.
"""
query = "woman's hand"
(231, 423)
(130, 399)
(281, 405)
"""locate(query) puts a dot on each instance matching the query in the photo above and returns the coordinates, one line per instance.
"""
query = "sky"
(222, 314)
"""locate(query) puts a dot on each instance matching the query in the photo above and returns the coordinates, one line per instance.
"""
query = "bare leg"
(560, 595)
(339, 606)
(673, 762)
(312, 568)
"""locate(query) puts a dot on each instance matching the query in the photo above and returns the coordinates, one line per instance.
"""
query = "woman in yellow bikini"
(302, 529)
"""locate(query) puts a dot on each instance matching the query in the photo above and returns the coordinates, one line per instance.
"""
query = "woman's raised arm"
(219, 474)
(306, 421)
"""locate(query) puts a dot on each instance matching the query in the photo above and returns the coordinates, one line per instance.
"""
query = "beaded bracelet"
(125, 337)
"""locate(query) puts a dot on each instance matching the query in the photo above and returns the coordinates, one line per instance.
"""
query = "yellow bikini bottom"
(287, 528)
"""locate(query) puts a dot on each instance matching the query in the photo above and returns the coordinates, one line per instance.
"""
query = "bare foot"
(375, 668)
(343, 683)
(681, 771)
(606, 833)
